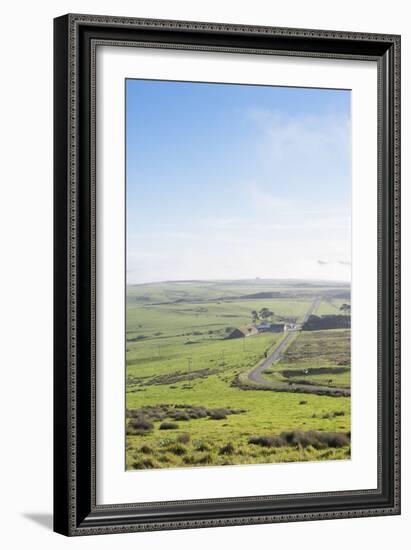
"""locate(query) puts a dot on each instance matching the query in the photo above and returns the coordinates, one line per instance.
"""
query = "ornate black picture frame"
(75, 40)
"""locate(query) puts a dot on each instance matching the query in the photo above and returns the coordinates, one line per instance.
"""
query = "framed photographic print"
(227, 277)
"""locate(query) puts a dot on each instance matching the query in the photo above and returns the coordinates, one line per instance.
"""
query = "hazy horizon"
(226, 181)
(248, 280)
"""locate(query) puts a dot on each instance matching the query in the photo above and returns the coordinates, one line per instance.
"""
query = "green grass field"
(321, 356)
(183, 408)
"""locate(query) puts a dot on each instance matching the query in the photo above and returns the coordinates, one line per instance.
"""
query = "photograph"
(238, 274)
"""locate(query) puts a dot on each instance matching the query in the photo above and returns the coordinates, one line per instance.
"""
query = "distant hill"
(252, 289)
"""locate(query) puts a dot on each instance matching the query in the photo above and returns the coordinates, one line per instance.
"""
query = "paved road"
(255, 374)
(311, 310)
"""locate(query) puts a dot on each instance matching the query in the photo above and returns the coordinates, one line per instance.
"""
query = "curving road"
(255, 374)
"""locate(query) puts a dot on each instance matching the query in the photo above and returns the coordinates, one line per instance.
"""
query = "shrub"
(227, 449)
(201, 446)
(303, 402)
(197, 412)
(265, 441)
(318, 440)
(178, 449)
(205, 459)
(183, 438)
(164, 459)
(155, 413)
(180, 415)
(140, 425)
(333, 414)
(168, 426)
(146, 449)
(217, 414)
(333, 439)
(145, 464)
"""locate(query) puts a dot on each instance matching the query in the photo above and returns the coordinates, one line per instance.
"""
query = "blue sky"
(231, 181)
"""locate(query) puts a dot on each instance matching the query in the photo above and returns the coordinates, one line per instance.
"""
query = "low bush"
(197, 412)
(168, 426)
(164, 459)
(140, 425)
(265, 441)
(333, 414)
(201, 446)
(205, 459)
(180, 415)
(318, 440)
(216, 415)
(178, 449)
(183, 438)
(227, 449)
(145, 464)
(303, 402)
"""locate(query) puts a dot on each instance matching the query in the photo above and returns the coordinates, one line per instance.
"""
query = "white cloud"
(304, 149)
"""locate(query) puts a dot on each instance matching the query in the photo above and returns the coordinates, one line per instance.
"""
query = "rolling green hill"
(183, 408)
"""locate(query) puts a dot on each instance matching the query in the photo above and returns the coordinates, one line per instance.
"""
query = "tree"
(254, 316)
(345, 308)
(265, 313)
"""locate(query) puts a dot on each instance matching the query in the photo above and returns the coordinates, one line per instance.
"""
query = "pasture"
(183, 407)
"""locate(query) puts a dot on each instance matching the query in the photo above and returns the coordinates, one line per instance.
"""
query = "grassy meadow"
(184, 407)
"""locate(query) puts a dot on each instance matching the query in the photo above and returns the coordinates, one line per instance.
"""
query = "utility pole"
(189, 360)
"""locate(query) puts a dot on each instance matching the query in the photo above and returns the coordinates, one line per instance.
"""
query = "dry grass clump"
(145, 464)
(183, 438)
(333, 414)
(265, 441)
(202, 447)
(178, 449)
(318, 440)
(227, 449)
(205, 459)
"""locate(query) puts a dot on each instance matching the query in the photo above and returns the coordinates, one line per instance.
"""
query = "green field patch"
(323, 346)
(190, 386)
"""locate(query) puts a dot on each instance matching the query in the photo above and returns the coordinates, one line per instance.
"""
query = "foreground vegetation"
(183, 406)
